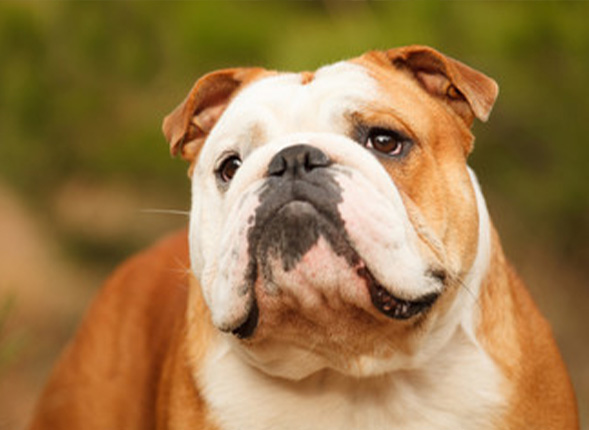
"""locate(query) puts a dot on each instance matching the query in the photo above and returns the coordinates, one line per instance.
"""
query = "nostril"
(297, 160)
(316, 158)
(277, 166)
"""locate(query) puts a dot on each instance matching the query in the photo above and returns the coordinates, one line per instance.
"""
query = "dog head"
(334, 221)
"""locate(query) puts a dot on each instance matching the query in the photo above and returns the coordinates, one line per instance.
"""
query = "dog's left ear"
(469, 92)
(189, 124)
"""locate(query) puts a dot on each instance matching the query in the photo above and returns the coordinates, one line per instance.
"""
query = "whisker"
(165, 211)
(463, 285)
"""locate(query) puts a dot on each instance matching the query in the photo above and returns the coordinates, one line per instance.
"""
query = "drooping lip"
(246, 329)
(383, 301)
(395, 307)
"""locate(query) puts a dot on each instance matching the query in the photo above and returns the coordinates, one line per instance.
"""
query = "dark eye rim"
(402, 139)
(222, 174)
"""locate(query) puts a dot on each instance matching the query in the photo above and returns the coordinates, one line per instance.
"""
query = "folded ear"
(189, 124)
(469, 92)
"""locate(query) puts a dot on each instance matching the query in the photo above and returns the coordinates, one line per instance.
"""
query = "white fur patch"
(458, 389)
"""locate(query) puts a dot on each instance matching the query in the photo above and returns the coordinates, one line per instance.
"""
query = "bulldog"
(340, 270)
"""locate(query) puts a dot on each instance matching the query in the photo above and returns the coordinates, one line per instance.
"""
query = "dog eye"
(229, 168)
(388, 142)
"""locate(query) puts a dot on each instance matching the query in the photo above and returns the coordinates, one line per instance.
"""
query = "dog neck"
(240, 396)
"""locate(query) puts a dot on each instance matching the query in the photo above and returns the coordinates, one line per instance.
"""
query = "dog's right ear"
(189, 124)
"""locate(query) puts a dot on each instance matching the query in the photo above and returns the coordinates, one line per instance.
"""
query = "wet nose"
(297, 161)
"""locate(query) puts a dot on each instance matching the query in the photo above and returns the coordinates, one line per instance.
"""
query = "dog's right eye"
(229, 168)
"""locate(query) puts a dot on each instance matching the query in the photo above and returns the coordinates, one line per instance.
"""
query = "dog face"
(334, 221)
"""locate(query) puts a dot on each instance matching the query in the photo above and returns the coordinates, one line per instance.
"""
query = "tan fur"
(520, 341)
(127, 367)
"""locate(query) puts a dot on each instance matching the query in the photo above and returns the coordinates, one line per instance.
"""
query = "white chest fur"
(458, 389)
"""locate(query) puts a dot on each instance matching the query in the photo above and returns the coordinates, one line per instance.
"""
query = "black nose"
(297, 161)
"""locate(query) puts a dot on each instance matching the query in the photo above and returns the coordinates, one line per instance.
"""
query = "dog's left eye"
(229, 168)
(388, 142)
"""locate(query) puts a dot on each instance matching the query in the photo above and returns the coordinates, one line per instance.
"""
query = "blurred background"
(84, 87)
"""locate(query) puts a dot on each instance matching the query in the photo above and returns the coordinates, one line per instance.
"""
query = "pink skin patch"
(321, 283)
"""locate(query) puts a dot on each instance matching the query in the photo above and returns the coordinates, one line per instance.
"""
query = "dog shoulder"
(545, 395)
(521, 342)
(114, 359)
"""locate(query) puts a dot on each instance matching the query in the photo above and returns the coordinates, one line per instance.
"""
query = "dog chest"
(459, 389)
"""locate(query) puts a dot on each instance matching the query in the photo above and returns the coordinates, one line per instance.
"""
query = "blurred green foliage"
(84, 87)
